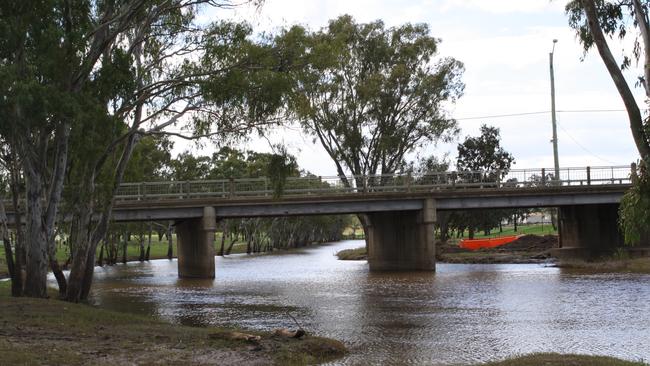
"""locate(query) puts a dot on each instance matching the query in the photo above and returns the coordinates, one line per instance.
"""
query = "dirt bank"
(610, 265)
(554, 359)
(527, 249)
(52, 332)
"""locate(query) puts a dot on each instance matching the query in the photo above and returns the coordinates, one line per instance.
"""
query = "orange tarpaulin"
(474, 244)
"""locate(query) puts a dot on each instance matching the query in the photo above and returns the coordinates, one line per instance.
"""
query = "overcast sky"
(504, 45)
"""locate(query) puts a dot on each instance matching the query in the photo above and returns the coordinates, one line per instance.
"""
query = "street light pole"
(553, 120)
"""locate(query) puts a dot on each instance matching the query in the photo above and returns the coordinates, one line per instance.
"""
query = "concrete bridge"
(401, 210)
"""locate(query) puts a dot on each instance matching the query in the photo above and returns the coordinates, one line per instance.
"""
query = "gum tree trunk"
(146, 255)
(91, 233)
(124, 247)
(37, 258)
(224, 233)
(633, 111)
(14, 273)
(170, 246)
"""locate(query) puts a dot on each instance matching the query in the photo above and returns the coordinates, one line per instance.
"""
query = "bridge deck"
(369, 202)
(311, 195)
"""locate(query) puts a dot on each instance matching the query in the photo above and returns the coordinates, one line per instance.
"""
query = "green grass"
(158, 250)
(540, 230)
(76, 334)
(354, 233)
(554, 359)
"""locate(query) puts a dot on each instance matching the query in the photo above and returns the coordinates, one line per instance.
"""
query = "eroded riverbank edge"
(80, 334)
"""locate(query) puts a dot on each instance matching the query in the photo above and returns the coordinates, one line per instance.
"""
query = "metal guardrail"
(314, 185)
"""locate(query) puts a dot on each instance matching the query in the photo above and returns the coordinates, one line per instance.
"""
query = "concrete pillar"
(196, 245)
(588, 231)
(402, 240)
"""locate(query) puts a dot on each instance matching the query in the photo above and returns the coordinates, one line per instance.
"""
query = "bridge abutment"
(196, 245)
(402, 240)
(588, 231)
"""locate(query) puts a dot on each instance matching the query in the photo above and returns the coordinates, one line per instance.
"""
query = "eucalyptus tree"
(5, 236)
(228, 163)
(150, 160)
(83, 81)
(484, 154)
(187, 166)
(594, 21)
(372, 94)
(10, 186)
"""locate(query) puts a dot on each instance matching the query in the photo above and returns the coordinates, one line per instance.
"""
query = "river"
(462, 314)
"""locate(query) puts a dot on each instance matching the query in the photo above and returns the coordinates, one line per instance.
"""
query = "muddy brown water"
(462, 314)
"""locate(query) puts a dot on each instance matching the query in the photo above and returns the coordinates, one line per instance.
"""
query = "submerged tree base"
(77, 334)
(554, 359)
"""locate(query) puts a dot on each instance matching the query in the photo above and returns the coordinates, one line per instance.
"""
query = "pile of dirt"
(526, 249)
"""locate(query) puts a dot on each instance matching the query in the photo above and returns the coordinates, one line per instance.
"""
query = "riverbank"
(527, 249)
(76, 334)
(635, 265)
(554, 359)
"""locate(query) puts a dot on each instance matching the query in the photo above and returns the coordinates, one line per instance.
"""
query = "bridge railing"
(317, 185)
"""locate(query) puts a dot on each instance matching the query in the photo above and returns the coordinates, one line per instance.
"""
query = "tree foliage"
(372, 94)
(482, 154)
(83, 82)
(281, 165)
(634, 212)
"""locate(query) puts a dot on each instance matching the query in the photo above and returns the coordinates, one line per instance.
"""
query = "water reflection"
(461, 314)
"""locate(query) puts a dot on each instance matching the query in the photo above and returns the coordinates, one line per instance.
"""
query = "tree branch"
(633, 112)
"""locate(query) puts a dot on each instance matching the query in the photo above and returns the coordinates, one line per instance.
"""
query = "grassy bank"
(37, 331)
(533, 229)
(353, 233)
(554, 359)
(158, 251)
(612, 265)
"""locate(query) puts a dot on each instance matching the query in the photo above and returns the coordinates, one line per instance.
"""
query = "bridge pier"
(588, 231)
(402, 240)
(196, 245)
